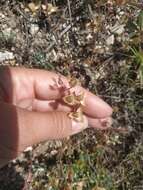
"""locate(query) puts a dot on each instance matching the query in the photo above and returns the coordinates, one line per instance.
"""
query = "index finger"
(94, 106)
(40, 85)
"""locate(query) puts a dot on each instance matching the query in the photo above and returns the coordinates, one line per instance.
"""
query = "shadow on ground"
(10, 179)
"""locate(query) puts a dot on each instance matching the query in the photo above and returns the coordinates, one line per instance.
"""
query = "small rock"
(40, 172)
(7, 32)
(2, 16)
(34, 29)
(53, 152)
(89, 37)
(121, 13)
(6, 56)
(110, 40)
(28, 149)
(118, 29)
(99, 49)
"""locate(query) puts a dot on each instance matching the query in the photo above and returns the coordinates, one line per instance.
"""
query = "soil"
(90, 40)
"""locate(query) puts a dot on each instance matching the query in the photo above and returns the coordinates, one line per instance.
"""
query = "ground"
(99, 42)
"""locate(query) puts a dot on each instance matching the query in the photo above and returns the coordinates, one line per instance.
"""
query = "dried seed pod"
(33, 7)
(73, 99)
(77, 116)
(80, 98)
(76, 101)
(70, 99)
(49, 8)
(73, 82)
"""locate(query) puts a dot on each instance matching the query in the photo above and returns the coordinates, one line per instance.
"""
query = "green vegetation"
(103, 47)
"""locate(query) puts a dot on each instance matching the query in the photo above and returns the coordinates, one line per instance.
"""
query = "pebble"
(118, 29)
(6, 56)
(89, 37)
(53, 152)
(2, 16)
(28, 149)
(7, 31)
(110, 40)
(34, 29)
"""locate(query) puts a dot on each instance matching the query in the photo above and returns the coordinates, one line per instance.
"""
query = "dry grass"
(93, 41)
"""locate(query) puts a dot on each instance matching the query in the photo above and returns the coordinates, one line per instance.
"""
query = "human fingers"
(25, 128)
(43, 106)
(103, 123)
(46, 106)
(44, 85)
(93, 106)
(58, 105)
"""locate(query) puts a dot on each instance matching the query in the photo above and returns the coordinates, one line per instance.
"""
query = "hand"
(31, 110)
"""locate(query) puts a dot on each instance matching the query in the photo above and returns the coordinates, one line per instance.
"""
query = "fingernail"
(79, 126)
(106, 122)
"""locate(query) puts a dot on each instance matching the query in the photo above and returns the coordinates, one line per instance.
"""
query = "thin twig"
(69, 8)
(21, 13)
(91, 12)
(60, 36)
(65, 31)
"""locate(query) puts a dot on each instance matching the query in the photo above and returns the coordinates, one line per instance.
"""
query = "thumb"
(57, 125)
(24, 128)
(35, 127)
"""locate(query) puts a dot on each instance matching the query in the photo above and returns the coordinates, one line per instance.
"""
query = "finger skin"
(42, 84)
(49, 106)
(20, 128)
(102, 124)
(95, 107)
